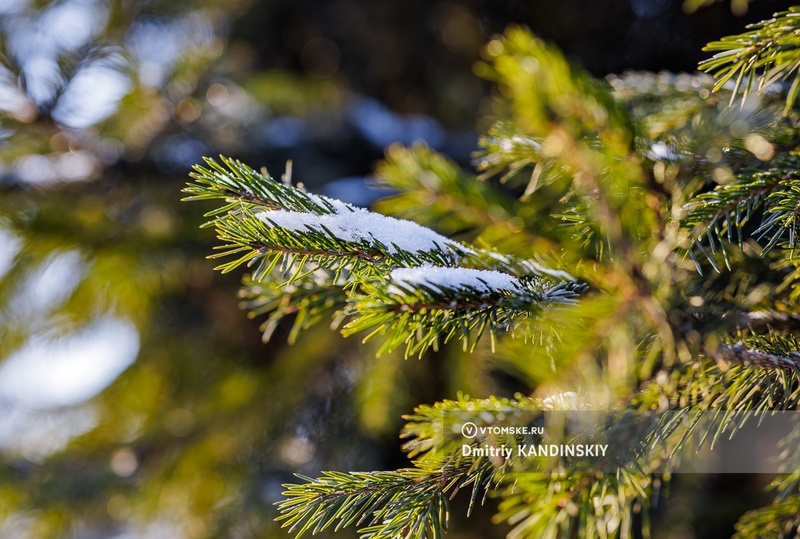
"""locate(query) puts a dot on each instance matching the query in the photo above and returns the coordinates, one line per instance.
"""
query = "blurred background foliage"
(136, 399)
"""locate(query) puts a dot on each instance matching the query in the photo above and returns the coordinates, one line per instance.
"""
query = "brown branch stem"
(739, 353)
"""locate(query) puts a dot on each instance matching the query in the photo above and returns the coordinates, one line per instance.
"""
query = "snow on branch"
(357, 225)
(425, 306)
(448, 279)
(389, 276)
(266, 222)
(480, 284)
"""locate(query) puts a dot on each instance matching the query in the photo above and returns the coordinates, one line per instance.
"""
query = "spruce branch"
(759, 375)
(781, 520)
(571, 127)
(732, 386)
(768, 53)
(409, 503)
(233, 181)
(552, 501)
(547, 505)
(742, 354)
(782, 220)
(427, 306)
(758, 204)
(435, 192)
(641, 183)
(267, 223)
(491, 260)
(557, 502)
(566, 98)
(507, 151)
(270, 221)
(575, 504)
(308, 300)
(657, 165)
(774, 319)
(311, 255)
(430, 430)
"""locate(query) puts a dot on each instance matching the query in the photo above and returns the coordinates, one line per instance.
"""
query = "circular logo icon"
(469, 430)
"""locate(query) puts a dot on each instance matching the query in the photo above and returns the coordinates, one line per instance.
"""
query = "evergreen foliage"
(653, 262)
(317, 246)
(766, 54)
